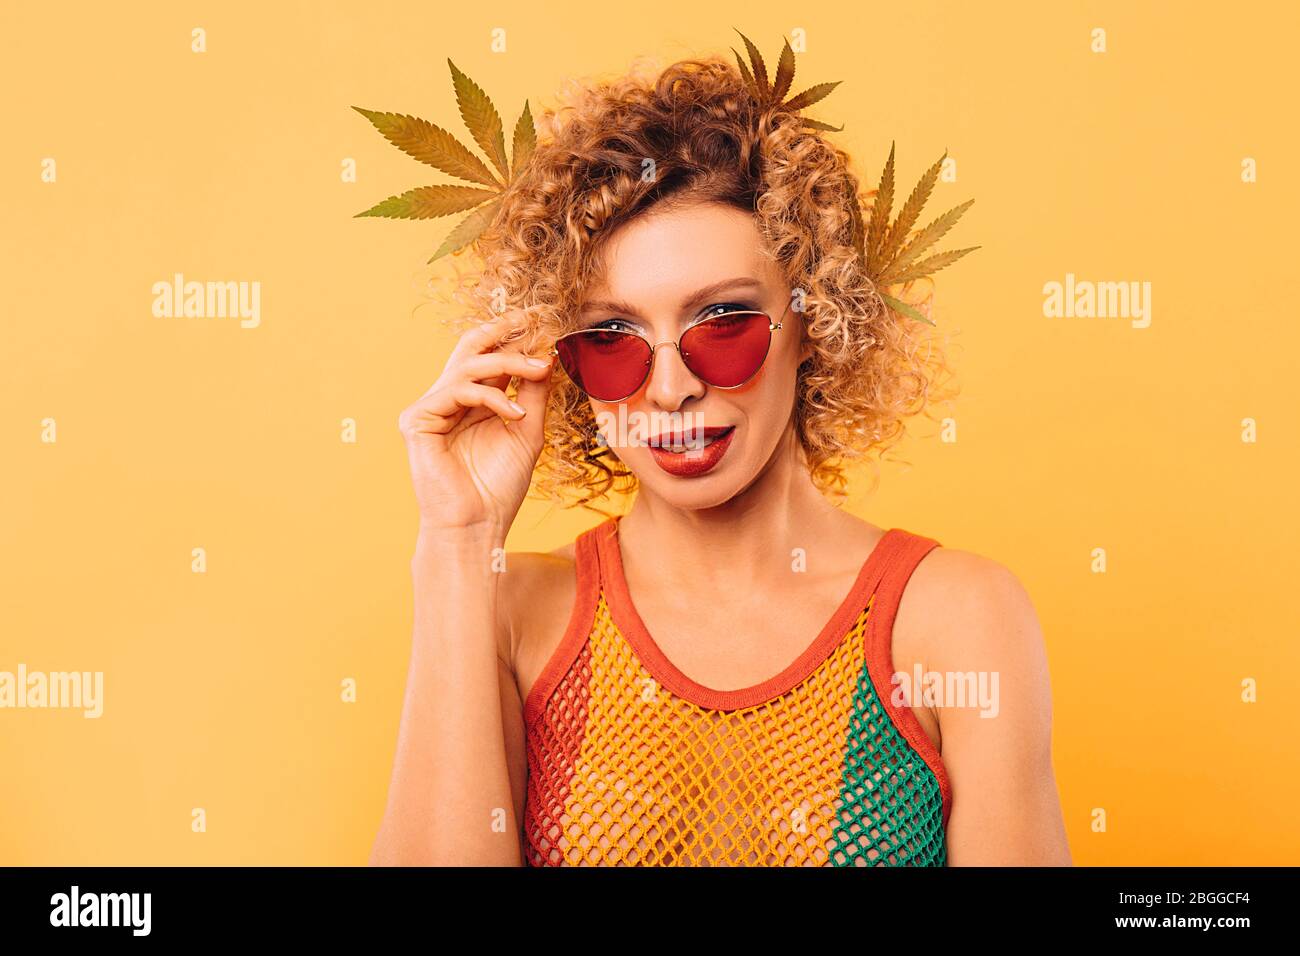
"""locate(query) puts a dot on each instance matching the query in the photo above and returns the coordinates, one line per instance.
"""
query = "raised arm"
(456, 787)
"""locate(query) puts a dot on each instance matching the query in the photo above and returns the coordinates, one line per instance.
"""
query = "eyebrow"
(695, 298)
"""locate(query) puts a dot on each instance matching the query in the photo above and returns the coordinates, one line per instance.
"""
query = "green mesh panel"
(892, 809)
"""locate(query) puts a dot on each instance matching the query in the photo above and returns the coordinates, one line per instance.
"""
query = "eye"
(614, 325)
(725, 307)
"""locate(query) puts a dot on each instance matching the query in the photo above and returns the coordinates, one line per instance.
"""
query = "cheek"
(767, 400)
(780, 373)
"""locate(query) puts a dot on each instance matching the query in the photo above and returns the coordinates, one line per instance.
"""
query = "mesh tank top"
(630, 762)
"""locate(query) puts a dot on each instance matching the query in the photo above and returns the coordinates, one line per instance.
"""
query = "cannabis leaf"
(426, 202)
(481, 119)
(889, 251)
(888, 254)
(771, 95)
(438, 148)
(880, 210)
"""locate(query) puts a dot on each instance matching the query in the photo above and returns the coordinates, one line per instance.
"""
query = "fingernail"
(538, 363)
(517, 407)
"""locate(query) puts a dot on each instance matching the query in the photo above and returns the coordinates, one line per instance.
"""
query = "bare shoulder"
(535, 595)
(964, 610)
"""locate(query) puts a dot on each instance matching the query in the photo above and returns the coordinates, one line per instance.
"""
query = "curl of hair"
(693, 132)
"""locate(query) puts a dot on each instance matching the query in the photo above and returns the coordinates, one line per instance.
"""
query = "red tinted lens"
(608, 366)
(729, 349)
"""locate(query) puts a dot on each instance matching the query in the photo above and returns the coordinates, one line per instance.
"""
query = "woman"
(709, 678)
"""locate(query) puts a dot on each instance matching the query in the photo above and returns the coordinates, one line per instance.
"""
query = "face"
(665, 272)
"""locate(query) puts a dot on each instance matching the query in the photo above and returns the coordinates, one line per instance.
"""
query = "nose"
(671, 382)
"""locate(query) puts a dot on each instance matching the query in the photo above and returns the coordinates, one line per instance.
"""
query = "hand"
(470, 468)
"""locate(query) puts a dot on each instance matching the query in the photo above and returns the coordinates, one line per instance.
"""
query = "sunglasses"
(724, 351)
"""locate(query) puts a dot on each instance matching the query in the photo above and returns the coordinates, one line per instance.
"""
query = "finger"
(495, 369)
(483, 338)
(474, 395)
(491, 367)
(532, 395)
(439, 412)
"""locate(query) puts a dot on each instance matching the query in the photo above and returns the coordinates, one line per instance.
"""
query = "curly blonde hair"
(710, 140)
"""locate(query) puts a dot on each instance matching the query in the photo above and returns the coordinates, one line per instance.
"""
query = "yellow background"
(223, 689)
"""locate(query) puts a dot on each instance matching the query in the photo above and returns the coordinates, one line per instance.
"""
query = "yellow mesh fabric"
(624, 772)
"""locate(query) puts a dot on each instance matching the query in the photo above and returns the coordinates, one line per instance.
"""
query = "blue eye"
(726, 307)
(614, 325)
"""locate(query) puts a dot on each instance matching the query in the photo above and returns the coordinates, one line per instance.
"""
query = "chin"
(696, 494)
(693, 485)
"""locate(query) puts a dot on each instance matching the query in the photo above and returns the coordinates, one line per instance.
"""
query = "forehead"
(664, 255)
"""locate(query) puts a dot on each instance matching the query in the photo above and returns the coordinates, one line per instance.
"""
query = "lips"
(679, 441)
(695, 455)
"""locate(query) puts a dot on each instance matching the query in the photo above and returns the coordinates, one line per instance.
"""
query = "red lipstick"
(691, 462)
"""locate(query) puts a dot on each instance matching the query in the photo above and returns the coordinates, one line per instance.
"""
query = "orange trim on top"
(581, 618)
(652, 657)
(880, 655)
